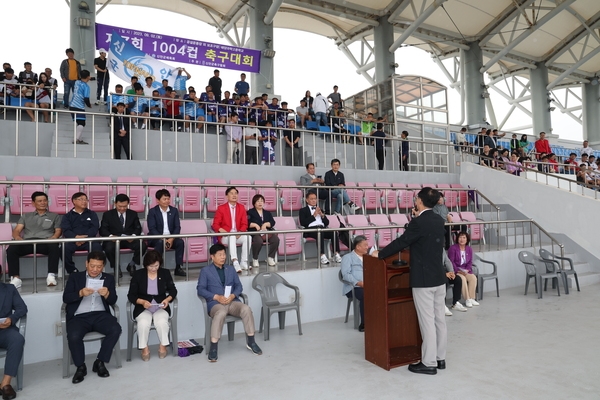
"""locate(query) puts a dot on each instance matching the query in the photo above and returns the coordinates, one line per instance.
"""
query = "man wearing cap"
(101, 76)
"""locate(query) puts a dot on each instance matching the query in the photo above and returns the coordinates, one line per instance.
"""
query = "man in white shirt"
(586, 149)
(252, 137)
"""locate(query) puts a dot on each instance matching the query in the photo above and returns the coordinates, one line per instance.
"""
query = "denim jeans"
(342, 198)
(69, 86)
(320, 116)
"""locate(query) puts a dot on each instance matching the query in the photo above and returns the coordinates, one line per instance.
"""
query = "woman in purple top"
(151, 290)
(515, 167)
(461, 255)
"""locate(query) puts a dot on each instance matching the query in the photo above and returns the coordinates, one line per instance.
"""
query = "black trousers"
(122, 141)
(52, 250)
(456, 289)
(178, 246)
(360, 296)
(403, 163)
(380, 154)
(103, 80)
(71, 248)
(110, 250)
(99, 321)
(332, 236)
(251, 155)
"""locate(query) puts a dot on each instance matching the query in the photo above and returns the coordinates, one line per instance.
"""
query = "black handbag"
(344, 236)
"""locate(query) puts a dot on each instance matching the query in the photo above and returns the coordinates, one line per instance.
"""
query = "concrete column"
(475, 103)
(384, 59)
(261, 38)
(542, 121)
(591, 114)
(83, 38)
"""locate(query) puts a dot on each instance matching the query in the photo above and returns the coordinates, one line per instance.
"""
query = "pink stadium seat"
(2, 194)
(215, 196)
(291, 199)
(20, 195)
(245, 194)
(334, 223)
(137, 194)
(475, 230)
(289, 243)
(269, 193)
(358, 221)
(386, 235)
(196, 249)
(389, 197)
(463, 195)
(413, 188)
(371, 196)
(399, 185)
(356, 195)
(163, 183)
(5, 234)
(59, 196)
(190, 197)
(99, 196)
(451, 196)
(400, 220)
(431, 185)
(405, 200)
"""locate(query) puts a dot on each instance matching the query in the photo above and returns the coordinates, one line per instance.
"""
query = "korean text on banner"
(189, 51)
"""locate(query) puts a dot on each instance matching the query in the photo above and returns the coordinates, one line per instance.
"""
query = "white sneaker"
(475, 303)
(135, 125)
(51, 280)
(324, 259)
(187, 130)
(468, 303)
(271, 262)
(459, 307)
(448, 312)
(244, 265)
(337, 258)
(16, 282)
(97, 102)
(237, 267)
(197, 130)
(255, 264)
(354, 207)
(143, 126)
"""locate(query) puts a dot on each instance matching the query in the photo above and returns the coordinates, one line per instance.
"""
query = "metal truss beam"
(417, 22)
(336, 10)
(517, 8)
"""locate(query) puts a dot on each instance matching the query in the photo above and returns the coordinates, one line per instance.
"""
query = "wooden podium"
(392, 335)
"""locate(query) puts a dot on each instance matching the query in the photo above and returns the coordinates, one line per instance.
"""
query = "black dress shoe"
(441, 364)
(179, 271)
(80, 374)
(361, 328)
(120, 273)
(420, 368)
(100, 369)
(131, 269)
(8, 392)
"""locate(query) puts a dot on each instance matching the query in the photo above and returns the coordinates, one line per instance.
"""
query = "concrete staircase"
(96, 133)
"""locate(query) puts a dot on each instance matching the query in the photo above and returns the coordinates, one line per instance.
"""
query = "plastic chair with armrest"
(132, 328)
(481, 278)
(352, 301)
(230, 320)
(22, 325)
(546, 255)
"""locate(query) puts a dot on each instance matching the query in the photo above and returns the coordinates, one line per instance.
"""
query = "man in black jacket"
(121, 221)
(334, 177)
(312, 217)
(121, 133)
(425, 236)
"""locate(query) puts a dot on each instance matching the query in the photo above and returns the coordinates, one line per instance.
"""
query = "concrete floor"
(511, 347)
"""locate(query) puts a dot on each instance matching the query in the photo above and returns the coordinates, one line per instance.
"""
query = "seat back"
(2, 193)
(335, 223)
(476, 230)
(5, 234)
(289, 243)
(389, 197)
(463, 195)
(163, 183)
(20, 195)
(384, 235)
(358, 221)
(406, 199)
(291, 198)
(528, 260)
(137, 194)
(99, 196)
(245, 194)
(196, 249)
(266, 284)
(59, 196)
(546, 255)
(356, 195)
(269, 193)
(214, 196)
(400, 220)
(190, 197)
(450, 196)
(371, 196)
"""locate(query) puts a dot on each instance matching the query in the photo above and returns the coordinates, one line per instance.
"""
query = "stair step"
(585, 279)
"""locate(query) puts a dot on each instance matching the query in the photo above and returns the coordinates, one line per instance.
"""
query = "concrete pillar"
(384, 59)
(83, 38)
(261, 38)
(540, 107)
(591, 114)
(475, 102)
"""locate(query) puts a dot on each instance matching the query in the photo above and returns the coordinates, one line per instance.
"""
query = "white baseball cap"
(102, 51)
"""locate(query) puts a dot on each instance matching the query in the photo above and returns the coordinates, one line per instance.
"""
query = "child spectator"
(81, 98)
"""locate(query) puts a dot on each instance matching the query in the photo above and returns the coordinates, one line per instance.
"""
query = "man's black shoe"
(179, 271)
(441, 364)
(120, 273)
(80, 374)
(420, 368)
(131, 269)
(100, 369)
(361, 328)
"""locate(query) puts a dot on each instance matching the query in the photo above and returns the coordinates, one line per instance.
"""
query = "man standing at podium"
(425, 236)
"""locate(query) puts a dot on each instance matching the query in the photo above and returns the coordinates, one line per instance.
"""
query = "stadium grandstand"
(517, 194)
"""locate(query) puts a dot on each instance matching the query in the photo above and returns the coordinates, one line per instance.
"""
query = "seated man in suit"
(352, 271)
(312, 216)
(40, 224)
(88, 296)
(12, 308)
(213, 281)
(232, 217)
(164, 220)
(311, 179)
(80, 222)
(121, 221)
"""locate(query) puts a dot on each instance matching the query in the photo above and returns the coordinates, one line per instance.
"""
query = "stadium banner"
(189, 51)
(125, 61)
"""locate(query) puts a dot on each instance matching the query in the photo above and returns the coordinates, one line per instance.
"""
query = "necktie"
(121, 122)
(122, 220)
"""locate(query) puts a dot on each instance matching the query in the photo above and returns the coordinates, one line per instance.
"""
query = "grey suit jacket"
(306, 180)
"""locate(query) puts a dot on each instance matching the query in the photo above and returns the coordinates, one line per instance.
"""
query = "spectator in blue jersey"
(180, 85)
(272, 110)
(284, 114)
(258, 111)
(118, 97)
(211, 108)
(236, 108)
(269, 139)
(81, 98)
(163, 90)
(140, 107)
(204, 95)
(242, 87)
(227, 98)
(193, 112)
(155, 109)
